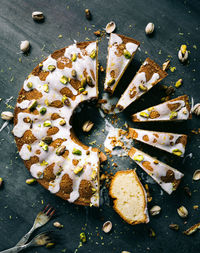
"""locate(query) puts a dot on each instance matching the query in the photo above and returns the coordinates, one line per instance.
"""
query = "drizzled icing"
(157, 170)
(89, 159)
(163, 111)
(165, 141)
(115, 62)
(139, 78)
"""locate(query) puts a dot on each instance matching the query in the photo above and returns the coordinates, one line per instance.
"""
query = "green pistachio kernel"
(89, 81)
(44, 163)
(51, 68)
(47, 139)
(43, 110)
(74, 57)
(45, 88)
(40, 65)
(93, 54)
(73, 72)
(142, 87)
(85, 92)
(127, 54)
(30, 85)
(77, 170)
(81, 90)
(173, 115)
(111, 82)
(62, 122)
(47, 123)
(43, 145)
(138, 158)
(144, 115)
(30, 181)
(177, 152)
(33, 105)
(83, 237)
(76, 151)
(83, 82)
(66, 101)
(64, 80)
(60, 150)
(29, 148)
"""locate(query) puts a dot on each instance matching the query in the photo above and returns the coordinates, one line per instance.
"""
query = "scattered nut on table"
(30, 181)
(88, 14)
(25, 46)
(179, 83)
(7, 115)
(166, 65)
(1, 181)
(110, 27)
(182, 212)
(57, 224)
(155, 210)
(174, 226)
(196, 175)
(196, 109)
(87, 126)
(183, 53)
(37, 15)
(149, 29)
(107, 226)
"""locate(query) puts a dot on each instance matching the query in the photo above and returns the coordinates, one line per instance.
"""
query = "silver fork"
(41, 219)
(39, 240)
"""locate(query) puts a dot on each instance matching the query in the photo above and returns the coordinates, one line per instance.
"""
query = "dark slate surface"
(176, 22)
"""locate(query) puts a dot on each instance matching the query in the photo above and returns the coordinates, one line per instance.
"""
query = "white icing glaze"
(164, 111)
(163, 140)
(139, 78)
(89, 162)
(110, 106)
(114, 62)
(158, 170)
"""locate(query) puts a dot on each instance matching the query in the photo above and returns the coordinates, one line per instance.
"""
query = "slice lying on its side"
(170, 142)
(121, 50)
(167, 177)
(174, 109)
(130, 200)
(149, 74)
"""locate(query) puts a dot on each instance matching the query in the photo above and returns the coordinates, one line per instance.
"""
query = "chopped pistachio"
(43, 110)
(88, 14)
(83, 237)
(57, 224)
(51, 68)
(142, 87)
(32, 105)
(173, 115)
(111, 82)
(76, 151)
(78, 170)
(177, 152)
(174, 226)
(85, 92)
(83, 82)
(43, 145)
(179, 83)
(46, 101)
(64, 80)
(93, 54)
(183, 49)
(66, 101)
(73, 72)
(50, 245)
(81, 90)
(127, 54)
(1, 181)
(47, 139)
(74, 57)
(62, 122)
(30, 85)
(29, 148)
(47, 123)
(40, 65)
(144, 115)
(44, 163)
(30, 181)
(89, 81)
(138, 158)
(60, 150)
(45, 88)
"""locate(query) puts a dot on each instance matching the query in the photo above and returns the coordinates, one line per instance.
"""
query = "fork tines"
(49, 211)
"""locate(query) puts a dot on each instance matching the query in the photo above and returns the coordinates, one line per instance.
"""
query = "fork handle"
(15, 249)
(25, 238)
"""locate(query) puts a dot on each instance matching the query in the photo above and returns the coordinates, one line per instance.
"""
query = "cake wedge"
(170, 142)
(149, 74)
(167, 177)
(130, 200)
(121, 50)
(172, 110)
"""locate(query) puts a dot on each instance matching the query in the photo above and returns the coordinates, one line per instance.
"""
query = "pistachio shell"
(57, 224)
(192, 229)
(7, 115)
(174, 226)
(196, 175)
(37, 15)
(155, 210)
(166, 65)
(87, 126)
(110, 27)
(182, 212)
(24, 46)
(149, 28)
(196, 109)
(182, 57)
(107, 226)
(60, 150)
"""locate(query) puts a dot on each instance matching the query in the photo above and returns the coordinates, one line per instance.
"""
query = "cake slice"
(170, 142)
(172, 110)
(167, 177)
(121, 50)
(149, 74)
(129, 196)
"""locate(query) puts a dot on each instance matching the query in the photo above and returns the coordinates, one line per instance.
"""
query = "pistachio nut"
(174, 226)
(47, 123)
(25, 46)
(142, 87)
(7, 115)
(110, 27)
(179, 83)
(81, 89)
(149, 29)
(60, 150)
(166, 65)
(1, 181)
(183, 49)
(51, 68)
(177, 152)
(107, 226)
(138, 158)
(93, 54)
(44, 146)
(85, 92)
(173, 115)
(29, 148)
(64, 80)
(76, 151)
(32, 105)
(88, 14)
(73, 73)
(29, 85)
(144, 115)
(43, 110)
(89, 81)
(111, 82)
(192, 229)
(196, 175)
(83, 237)
(74, 57)
(182, 212)
(57, 224)
(83, 82)
(182, 57)
(155, 210)
(77, 170)
(196, 109)
(37, 15)
(45, 88)
(127, 54)
(30, 181)
(66, 101)
(47, 139)
(62, 122)
(87, 126)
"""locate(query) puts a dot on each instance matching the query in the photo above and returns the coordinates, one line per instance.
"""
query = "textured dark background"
(176, 22)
